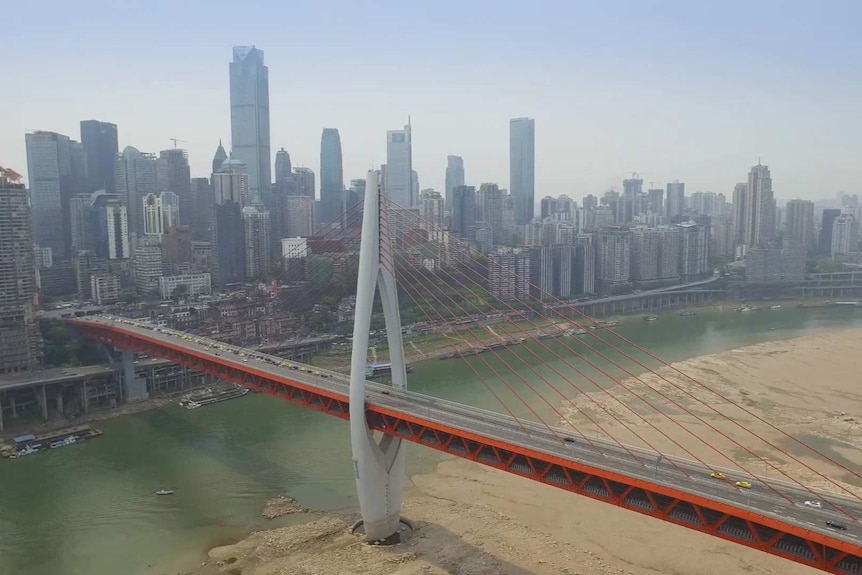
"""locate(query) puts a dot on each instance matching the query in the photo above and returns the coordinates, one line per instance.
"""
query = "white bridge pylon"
(378, 467)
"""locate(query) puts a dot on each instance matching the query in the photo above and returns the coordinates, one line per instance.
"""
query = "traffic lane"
(700, 473)
(737, 497)
(761, 490)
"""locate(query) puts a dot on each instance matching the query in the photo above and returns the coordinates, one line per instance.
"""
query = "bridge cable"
(456, 241)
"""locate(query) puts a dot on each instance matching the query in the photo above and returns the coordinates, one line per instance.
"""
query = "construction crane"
(175, 140)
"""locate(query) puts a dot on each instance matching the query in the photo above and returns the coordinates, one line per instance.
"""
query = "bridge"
(761, 513)
(771, 518)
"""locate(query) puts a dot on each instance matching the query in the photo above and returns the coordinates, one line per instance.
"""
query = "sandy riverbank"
(479, 521)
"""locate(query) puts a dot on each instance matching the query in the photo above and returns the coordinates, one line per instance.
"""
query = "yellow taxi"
(744, 484)
(718, 475)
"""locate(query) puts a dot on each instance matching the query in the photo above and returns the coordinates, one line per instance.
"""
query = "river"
(90, 508)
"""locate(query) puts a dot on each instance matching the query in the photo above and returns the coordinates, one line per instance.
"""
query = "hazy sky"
(687, 89)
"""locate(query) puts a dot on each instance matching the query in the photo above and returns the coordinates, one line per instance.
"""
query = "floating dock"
(29, 444)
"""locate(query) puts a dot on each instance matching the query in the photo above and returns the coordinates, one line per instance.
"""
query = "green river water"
(91, 509)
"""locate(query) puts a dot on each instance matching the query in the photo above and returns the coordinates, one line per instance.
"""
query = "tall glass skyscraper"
(100, 144)
(398, 176)
(331, 176)
(249, 118)
(522, 167)
(58, 171)
(454, 178)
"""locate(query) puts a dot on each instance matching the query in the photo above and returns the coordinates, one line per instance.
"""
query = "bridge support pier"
(134, 388)
(377, 465)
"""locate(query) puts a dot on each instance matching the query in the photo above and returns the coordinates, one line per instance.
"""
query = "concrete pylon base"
(402, 535)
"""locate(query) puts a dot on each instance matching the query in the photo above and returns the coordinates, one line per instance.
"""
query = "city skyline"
(586, 143)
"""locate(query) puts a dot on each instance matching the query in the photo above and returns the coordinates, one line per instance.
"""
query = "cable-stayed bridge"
(714, 495)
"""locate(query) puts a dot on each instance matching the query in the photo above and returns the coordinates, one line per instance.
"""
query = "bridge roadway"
(780, 500)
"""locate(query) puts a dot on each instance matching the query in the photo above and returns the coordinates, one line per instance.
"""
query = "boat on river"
(27, 450)
(209, 395)
(165, 492)
(69, 440)
(650, 318)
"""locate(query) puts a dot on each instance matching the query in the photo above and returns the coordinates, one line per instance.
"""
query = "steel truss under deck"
(688, 510)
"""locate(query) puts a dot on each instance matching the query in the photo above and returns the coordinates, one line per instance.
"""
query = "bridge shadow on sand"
(440, 547)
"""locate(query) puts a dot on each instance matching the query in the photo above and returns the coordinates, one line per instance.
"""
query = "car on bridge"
(743, 484)
(813, 504)
(838, 526)
(718, 475)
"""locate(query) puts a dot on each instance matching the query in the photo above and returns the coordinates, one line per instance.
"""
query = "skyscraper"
(522, 167)
(112, 228)
(431, 208)
(173, 175)
(304, 182)
(161, 213)
(827, 222)
(135, 179)
(548, 207)
(454, 178)
(355, 196)
(230, 191)
(740, 207)
(464, 211)
(54, 165)
(656, 200)
(759, 208)
(219, 157)
(645, 250)
(845, 235)
(331, 176)
(257, 240)
(613, 256)
(20, 342)
(490, 208)
(675, 200)
(299, 217)
(398, 175)
(100, 144)
(249, 118)
(800, 222)
(283, 169)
